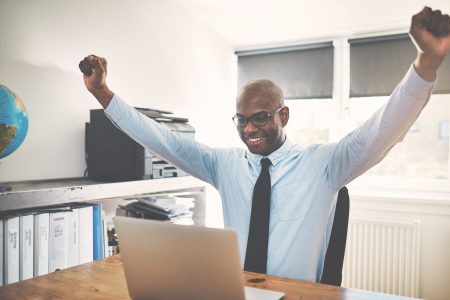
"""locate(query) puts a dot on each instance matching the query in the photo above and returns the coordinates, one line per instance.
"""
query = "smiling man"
(261, 99)
(278, 197)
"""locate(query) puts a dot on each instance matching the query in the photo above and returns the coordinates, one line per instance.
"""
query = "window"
(377, 64)
(310, 121)
(367, 72)
(304, 72)
(443, 131)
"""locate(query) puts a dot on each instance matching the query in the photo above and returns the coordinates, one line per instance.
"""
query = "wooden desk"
(105, 280)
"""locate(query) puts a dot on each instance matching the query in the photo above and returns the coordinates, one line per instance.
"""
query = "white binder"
(57, 248)
(41, 240)
(26, 247)
(105, 235)
(73, 237)
(11, 247)
(86, 246)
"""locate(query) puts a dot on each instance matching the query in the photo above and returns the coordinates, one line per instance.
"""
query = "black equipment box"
(111, 155)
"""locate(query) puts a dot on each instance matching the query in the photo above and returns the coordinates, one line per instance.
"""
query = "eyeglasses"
(258, 119)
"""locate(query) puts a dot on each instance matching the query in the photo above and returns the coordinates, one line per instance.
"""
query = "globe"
(13, 121)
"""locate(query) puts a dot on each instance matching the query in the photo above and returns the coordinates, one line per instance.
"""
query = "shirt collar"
(275, 157)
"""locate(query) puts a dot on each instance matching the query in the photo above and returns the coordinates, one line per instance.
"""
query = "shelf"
(27, 194)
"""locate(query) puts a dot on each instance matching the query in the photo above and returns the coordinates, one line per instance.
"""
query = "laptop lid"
(165, 261)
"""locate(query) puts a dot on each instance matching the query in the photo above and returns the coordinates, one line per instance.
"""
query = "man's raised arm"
(94, 70)
(185, 153)
(369, 143)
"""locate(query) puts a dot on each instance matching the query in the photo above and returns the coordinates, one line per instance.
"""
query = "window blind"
(378, 64)
(302, 72)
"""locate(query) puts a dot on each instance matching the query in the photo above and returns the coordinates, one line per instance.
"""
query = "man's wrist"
(103, 95)
(426, 66)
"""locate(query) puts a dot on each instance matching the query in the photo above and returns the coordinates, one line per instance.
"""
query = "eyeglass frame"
(268, 115)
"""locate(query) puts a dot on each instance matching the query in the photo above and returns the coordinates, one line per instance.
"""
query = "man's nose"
(249, 128)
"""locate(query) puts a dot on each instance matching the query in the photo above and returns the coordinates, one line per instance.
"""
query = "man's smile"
(254, 141)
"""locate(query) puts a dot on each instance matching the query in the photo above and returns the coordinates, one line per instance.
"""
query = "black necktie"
(258, 234)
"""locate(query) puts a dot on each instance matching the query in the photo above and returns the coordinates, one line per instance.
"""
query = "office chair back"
(334, 258)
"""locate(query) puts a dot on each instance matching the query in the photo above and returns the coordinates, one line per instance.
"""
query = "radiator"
(382, 256)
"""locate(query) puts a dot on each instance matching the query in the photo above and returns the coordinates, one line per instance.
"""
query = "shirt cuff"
(114, 108)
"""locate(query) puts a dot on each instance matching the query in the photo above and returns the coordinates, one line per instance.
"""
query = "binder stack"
(35, 242)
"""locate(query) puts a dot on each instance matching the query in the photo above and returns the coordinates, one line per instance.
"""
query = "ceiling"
(247, 24)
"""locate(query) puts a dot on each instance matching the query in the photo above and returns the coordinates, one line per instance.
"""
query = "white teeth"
(254, 139)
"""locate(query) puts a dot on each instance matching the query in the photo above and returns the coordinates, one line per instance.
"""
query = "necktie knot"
(265, 163)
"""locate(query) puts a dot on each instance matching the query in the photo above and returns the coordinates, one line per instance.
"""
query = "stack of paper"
(161, 207)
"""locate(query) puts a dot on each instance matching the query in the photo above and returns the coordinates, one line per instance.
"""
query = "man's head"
(256, 101)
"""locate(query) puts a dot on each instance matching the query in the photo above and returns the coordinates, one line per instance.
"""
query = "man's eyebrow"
(257, 113)
(261, 112)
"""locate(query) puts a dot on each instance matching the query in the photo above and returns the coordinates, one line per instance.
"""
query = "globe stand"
(4, 188)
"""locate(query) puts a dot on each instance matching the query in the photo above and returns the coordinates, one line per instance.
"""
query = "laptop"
(165, 261)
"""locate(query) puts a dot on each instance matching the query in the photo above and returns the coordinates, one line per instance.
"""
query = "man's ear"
(284, 115)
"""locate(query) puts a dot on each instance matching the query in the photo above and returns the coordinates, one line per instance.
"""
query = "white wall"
(159, 56)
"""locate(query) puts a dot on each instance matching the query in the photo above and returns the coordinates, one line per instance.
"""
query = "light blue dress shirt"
(305, 182)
